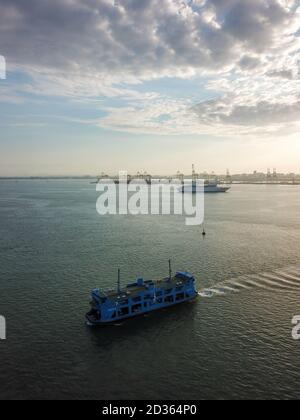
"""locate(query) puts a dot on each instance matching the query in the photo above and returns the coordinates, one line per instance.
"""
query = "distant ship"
(140, 297)
(194, 187)
(209, 187)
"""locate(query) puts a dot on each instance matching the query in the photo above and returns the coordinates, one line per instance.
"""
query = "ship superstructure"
(140, 297)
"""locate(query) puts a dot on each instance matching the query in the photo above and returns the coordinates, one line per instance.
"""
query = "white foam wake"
(282, 279)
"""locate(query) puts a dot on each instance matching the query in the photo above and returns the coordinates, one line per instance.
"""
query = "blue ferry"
(140, 297)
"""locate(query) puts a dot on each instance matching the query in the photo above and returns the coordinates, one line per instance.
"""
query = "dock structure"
(270, 177)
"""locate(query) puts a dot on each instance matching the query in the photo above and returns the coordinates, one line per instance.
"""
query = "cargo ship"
(140, 297)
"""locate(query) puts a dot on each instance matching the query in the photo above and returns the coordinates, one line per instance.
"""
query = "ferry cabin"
(141, 297)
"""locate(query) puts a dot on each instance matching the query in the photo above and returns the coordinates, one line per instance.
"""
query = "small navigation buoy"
(203, 232)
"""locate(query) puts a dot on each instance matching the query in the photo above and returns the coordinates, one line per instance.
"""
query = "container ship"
(140, 297)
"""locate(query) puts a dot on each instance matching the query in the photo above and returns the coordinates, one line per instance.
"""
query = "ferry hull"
(140, 298)
(91, 322)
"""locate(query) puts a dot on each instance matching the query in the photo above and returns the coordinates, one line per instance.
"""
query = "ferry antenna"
(170, 270)
(119, 281)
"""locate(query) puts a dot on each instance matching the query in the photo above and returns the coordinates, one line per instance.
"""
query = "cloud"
(87, 49)
(261, 114)
(283, 74)
(140, 37)
(163, 117)
(248, 62)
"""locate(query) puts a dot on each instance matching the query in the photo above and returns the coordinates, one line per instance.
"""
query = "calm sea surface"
(54, 248)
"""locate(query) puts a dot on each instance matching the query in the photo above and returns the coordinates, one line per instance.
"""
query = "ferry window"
(124, 302)
(123, 311)
(113, 315)
(180, 296)
(145, 304)
(169, 299)
(149, 282)
(159, 294)
(136, 308)
(137, 299)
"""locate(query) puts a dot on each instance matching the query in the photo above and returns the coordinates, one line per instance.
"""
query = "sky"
(149, 85)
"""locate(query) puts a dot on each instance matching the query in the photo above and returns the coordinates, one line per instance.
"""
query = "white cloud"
(90, 49)
(142, 37)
